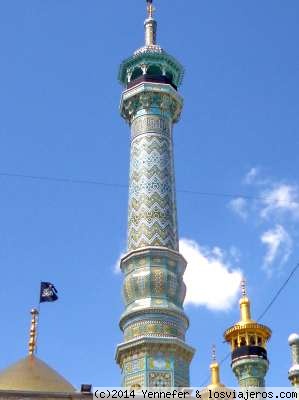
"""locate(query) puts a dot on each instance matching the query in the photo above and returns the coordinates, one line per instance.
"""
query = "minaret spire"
(214, 368)
(150, 8)
(33, 332)
(244, 303)
(215, 384)
(243, 287)
(150, 25)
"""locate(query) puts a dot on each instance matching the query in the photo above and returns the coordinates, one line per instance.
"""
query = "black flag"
(48, 292)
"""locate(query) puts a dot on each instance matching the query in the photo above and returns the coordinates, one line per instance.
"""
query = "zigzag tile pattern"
(152, 206)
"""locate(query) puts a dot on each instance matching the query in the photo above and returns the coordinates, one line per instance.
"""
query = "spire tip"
(150, 8)
(243, 287)
(213, 353)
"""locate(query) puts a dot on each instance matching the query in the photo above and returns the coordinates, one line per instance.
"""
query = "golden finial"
(244, 303)
(33, 331)
(150, 9)
(213, 353)
(214, 367)
(243, 287)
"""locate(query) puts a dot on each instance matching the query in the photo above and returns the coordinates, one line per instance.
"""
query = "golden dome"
(32, 374)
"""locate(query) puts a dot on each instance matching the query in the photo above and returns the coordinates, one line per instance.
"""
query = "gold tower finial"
(243, 287)
(244, 303)
(33, 331)
(213, 353)
(214, 368)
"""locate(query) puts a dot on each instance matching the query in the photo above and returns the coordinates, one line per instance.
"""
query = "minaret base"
(155, 362)
(251, 372)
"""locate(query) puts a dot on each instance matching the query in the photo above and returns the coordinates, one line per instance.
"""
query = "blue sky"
(238, 134)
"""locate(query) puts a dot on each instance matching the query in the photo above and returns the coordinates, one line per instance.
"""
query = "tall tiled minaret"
(294, 370)
(154, 352)
(248, 340)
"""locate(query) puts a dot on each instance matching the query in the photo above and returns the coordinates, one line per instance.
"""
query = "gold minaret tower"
(248, 340)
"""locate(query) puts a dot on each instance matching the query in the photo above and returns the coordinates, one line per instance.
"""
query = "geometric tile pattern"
(152, 205)
(155, 365)
(250, 372)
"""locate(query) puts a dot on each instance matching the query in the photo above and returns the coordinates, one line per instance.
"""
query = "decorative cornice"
(157, 251)
(240, 328)
(150, 95)
(154, 344)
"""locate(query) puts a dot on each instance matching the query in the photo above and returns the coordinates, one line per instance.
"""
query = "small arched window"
(252, 340)
(136, 73)
(154, 70)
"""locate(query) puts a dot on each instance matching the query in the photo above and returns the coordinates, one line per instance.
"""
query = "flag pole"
(33, 332)
(38, 318)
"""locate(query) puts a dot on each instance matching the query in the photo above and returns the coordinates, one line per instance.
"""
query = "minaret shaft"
(154, 323)
(152, 205)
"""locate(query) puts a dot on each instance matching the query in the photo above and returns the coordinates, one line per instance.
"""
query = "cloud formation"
(211, 281)
(279, 200)
(239, 206)
(251, 176)
(279, 246)
(275, 204)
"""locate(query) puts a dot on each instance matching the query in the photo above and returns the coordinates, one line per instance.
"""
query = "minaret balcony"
(245, 351)
(151, 78)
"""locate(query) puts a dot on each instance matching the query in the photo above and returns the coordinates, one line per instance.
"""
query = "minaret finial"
(150, 25)
(213, 353)
(243, 287)
(244, 303)
(150, 8)
(214, 367)
(33, 331)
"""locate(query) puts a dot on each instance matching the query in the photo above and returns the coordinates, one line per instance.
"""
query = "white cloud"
(116, 267)
(239, 206)
(235, 254)
(275, 202)
(279, 245)
(281, 199)
(251, 176)
(210, 280)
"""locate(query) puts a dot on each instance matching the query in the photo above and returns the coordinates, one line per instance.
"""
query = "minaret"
(154, 352)
(248, 341)
(215, 384)
(294, 370)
